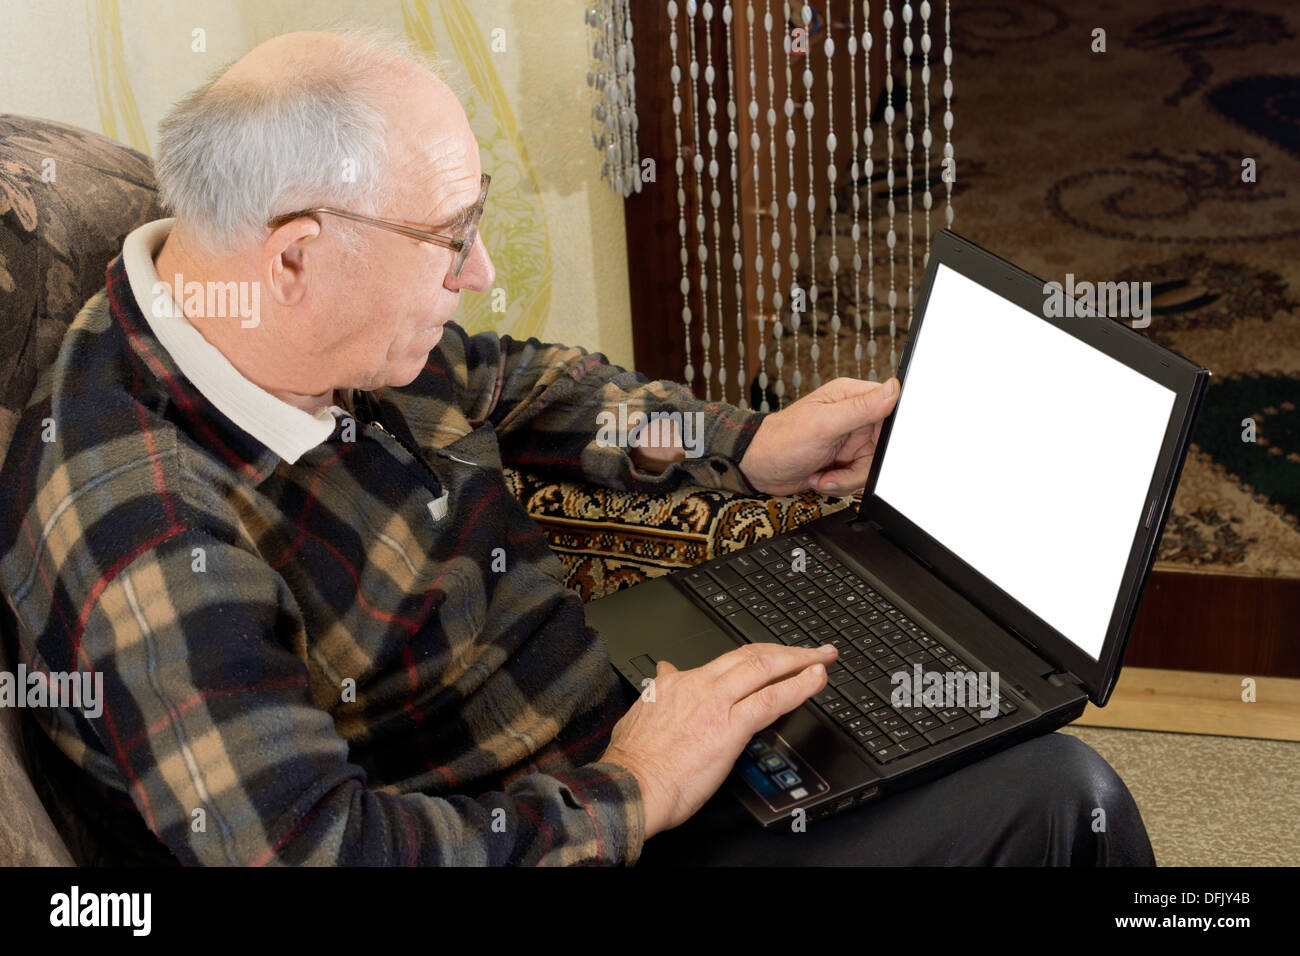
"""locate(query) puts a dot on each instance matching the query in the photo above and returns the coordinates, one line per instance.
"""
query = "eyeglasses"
(462, 243)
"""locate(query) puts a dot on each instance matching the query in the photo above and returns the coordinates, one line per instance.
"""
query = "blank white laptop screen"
(1025, 452)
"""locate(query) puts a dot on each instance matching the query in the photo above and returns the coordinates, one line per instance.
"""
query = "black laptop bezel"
(1186, 379)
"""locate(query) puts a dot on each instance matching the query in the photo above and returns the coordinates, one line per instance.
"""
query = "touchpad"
(657, 621)
(685, 651)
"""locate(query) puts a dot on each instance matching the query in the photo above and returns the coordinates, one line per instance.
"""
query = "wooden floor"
(1195, 702)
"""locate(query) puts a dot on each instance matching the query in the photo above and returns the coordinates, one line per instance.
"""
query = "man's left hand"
(824, 441)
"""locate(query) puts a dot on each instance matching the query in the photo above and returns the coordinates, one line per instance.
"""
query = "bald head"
(305, 119)
(283, 60)
(266, 167)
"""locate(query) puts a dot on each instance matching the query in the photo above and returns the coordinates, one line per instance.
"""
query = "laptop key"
(882, 687)
(950, 729)
(743, 564)
(725, 576)
(886, 753)
(856, 691)
(750, 628)
(869, 673)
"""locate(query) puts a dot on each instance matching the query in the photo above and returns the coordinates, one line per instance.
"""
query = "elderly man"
(327, 632)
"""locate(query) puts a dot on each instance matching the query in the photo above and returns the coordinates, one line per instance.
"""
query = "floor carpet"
(1127, 165)
(1209, 801)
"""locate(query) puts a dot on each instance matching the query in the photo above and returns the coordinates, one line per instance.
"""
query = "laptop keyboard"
(766, 600)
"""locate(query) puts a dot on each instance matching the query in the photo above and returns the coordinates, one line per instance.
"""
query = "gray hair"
(232, 157)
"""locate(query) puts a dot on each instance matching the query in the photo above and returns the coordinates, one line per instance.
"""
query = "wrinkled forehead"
(432, 150)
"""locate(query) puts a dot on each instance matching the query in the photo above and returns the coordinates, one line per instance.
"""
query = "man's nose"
(478, 272)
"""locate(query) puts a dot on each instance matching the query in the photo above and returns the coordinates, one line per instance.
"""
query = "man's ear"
(288, 261)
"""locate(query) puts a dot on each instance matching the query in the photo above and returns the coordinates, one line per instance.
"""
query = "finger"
(843, 481)
(755, 665)
(861, 408)
(768, 703)
(860, 444)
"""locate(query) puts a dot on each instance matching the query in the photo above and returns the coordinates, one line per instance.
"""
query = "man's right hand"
(684, 733)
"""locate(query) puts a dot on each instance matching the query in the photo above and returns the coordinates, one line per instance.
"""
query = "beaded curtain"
(784, 299)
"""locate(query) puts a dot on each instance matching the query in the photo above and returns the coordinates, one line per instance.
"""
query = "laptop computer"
(986, 588)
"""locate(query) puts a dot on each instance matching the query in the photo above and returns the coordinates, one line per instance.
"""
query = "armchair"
(68, 198)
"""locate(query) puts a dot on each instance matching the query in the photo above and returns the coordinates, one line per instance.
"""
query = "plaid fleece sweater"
(305, 663)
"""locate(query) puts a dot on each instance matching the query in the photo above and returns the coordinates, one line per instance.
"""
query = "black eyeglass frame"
(462, 245)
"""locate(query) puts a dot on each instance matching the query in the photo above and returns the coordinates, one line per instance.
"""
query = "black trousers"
(1034, 804)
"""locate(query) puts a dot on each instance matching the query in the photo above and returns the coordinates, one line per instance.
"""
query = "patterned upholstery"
(610, 540)
(68, 198)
